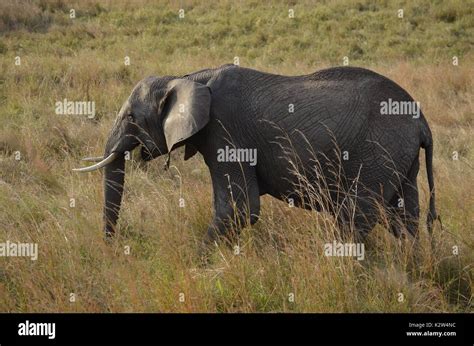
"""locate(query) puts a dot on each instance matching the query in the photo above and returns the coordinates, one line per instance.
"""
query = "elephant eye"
(130, 117)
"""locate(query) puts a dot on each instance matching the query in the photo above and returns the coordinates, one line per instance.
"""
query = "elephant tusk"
(93, 158)
(98, 165)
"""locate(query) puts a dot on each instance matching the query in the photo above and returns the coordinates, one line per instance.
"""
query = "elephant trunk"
(113, 189)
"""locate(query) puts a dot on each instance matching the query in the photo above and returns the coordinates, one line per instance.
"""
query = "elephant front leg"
(236, 204)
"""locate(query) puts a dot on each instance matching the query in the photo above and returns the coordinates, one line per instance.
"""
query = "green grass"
(83, 59)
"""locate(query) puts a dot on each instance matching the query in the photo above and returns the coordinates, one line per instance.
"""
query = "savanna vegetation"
(46, 56)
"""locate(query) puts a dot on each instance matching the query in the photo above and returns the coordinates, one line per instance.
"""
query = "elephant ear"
(186, 110)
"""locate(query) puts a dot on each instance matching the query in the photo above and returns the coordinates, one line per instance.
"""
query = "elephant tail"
(432, 215)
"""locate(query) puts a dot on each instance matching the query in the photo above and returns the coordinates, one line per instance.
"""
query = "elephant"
(328, 129)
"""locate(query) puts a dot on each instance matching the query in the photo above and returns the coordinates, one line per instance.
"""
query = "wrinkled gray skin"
(234, 106)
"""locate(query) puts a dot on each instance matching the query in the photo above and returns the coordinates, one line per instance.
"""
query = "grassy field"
(282, 266)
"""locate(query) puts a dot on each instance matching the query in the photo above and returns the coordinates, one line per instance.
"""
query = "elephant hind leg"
(360, 222)
(404, 208)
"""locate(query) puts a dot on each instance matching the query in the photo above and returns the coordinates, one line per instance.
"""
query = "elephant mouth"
(101, 162)
(145, 154)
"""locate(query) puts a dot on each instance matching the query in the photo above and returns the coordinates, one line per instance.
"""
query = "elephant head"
(160, 114)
